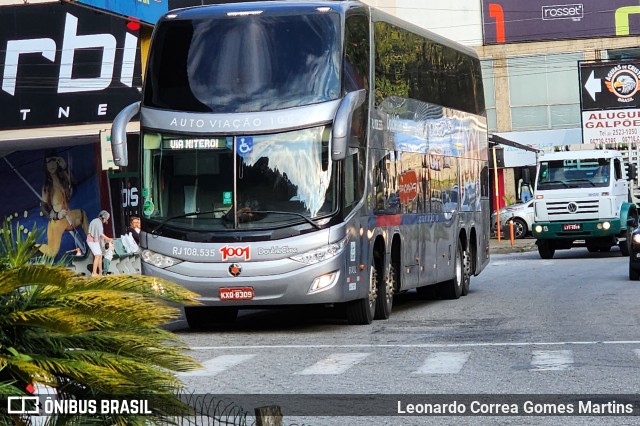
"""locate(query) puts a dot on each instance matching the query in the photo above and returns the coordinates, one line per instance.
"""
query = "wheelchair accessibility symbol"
(244, 145)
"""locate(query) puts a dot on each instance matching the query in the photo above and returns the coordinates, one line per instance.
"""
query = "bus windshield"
(244, 63)
(271, 181)
(576, 173)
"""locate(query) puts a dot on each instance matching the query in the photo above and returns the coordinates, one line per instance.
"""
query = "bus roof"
(295, 6)
(302, 6)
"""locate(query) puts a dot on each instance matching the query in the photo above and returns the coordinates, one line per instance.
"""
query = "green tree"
(88, 336)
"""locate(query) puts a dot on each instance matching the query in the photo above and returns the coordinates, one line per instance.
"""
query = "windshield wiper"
(582, 180)
(164, 222)
(553, 182)
(300, 215)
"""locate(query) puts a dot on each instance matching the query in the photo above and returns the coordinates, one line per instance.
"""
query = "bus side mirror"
(632, 172)
(119, 134)
(342, 122)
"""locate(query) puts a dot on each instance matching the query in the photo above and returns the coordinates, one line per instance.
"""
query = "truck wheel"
(452, 289)
(201, 317)
(386, 287)
(546, 249)
(361, 311)
(634, 274)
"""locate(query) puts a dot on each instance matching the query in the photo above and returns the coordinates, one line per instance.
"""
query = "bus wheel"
(199, 317)
(452, 289)
(386, 287)
(466, 272)
(361, 311)
(546, 250)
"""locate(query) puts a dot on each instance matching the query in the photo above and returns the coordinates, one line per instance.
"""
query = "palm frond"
(17, 244)
(88, 336)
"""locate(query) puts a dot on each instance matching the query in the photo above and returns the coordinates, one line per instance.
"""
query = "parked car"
(522, 216)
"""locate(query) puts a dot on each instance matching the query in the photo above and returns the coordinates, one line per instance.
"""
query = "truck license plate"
(571, 227)
(236, 293)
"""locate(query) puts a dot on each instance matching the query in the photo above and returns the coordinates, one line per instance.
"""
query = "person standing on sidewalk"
(96, 238)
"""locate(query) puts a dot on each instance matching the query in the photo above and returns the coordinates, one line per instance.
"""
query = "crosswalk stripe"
(551, 360)
(444, 363)
(218, 365)
(336, 363)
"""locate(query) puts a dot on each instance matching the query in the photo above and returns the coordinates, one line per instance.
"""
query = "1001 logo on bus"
(235, 252)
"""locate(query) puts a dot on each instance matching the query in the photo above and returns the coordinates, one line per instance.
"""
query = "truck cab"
(582, 199)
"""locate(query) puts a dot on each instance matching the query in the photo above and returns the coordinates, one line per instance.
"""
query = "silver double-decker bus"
(309, 153)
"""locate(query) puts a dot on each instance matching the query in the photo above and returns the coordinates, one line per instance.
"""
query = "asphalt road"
(563, 326)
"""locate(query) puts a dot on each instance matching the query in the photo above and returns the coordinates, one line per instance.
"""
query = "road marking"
(217, 365)
(335, 363)
(420, 345)
(444, 363)
(551, 360)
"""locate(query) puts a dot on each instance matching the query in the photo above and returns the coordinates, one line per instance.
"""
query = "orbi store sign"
(508, 21)
(64, 65)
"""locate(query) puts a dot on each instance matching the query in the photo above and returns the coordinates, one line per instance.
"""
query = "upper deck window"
(244, 64)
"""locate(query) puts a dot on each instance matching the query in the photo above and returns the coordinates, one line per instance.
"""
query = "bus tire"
(386, 288)
(452, 289)
(200, 317)
(362, 311)
(546, 250)
(466, 272)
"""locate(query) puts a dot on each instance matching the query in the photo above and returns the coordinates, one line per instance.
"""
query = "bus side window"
(353, 179)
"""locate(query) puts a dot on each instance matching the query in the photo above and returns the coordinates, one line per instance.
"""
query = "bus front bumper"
(290, 288)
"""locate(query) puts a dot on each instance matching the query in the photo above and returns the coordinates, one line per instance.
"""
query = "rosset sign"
(65, 64)
(508, 21)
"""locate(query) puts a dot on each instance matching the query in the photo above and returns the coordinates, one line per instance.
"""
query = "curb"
(504, 246)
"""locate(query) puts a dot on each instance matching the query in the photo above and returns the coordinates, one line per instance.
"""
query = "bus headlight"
(538, 228)
(321, 254)
(158, 260)
(324, 282)
(606, 225)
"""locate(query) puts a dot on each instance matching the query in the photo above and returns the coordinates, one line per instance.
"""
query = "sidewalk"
(519, 246)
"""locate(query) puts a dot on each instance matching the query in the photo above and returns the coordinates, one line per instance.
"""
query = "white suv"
(522, 216)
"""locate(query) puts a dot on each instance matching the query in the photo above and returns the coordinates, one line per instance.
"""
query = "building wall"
(458, 20)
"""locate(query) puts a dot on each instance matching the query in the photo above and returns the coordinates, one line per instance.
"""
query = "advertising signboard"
(143, 10)
(64, 64)
(508, 21)
(610, 101)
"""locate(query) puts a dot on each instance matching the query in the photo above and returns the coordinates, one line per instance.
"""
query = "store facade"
(66, 73)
